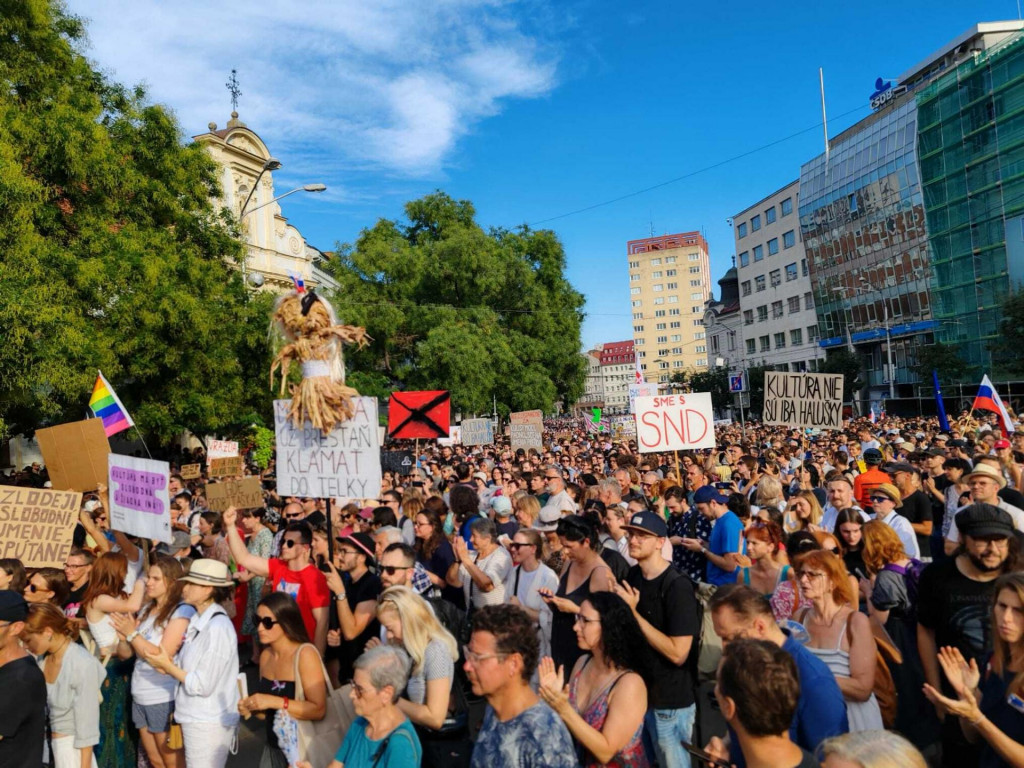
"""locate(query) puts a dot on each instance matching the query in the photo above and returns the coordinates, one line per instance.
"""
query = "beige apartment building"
(669, 282)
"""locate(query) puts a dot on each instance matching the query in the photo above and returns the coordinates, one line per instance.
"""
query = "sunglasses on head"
(266, 622)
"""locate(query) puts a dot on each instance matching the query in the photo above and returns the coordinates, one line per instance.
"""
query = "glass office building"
(863, 224)
(971, 147)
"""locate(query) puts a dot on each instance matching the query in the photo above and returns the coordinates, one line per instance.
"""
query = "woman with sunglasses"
(528, 577)
(283, 636)
(162, 624)
(606, 699)
(47, 585)
(260, 543)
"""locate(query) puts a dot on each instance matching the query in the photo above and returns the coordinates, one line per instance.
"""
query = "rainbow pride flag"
(106, 405)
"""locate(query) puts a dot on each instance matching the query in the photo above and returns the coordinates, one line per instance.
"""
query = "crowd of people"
(841, 598)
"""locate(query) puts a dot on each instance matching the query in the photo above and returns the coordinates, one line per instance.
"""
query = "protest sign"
(399, 462)
(220, 449)
(75, 454)
(246, 493)
(526, 429)
(227, 466)
(623, 427)
(477, 432)
(419, 414)
(640, 390)
(675, 422)
(139, 500)
(36, 526)
(803, 399)
(190, 471)
(344, 463)
(454, 437)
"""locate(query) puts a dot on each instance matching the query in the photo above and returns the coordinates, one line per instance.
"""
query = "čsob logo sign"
(884, 93)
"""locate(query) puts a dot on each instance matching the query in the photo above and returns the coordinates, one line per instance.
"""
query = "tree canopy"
(450, 306)
(114, 257)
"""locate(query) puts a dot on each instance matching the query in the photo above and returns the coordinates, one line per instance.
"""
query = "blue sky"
(531, 109)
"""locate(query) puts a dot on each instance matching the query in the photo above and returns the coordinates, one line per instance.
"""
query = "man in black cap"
(665, 606)
(23, 703)
(954, 605)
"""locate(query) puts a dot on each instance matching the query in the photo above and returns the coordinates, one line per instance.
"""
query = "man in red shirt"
(293, 573)
(867, 481)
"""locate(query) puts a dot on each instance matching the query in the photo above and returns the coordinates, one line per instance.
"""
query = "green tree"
(944, 358)
(755, 384)
(841, 360)
(113, 256)
(681, 379)
(1007, 359)
(715, 381)
(450, 306)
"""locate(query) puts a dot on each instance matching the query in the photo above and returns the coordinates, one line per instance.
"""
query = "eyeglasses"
(357, 689)
(475, 658)
(391, 570)
(517, 544)
(810, 575)
(266, 622)
(73, 565)
(346, 552)
(581, 619)
(876, 499)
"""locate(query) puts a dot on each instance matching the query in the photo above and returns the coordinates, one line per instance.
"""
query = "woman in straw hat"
(206, 702)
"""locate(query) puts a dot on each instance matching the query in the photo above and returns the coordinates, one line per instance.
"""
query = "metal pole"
(743, 420)
(888, 350)
(330, 534)
(824, 118)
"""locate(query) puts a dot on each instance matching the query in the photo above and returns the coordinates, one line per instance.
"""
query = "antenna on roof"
(234, 89)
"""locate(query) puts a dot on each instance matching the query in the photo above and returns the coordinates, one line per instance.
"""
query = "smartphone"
(703, 756)
(723, 486)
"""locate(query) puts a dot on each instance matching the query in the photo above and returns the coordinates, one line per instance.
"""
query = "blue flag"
(943, 419)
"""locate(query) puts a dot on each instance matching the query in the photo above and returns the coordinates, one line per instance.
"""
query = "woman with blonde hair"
(872, 749)
(803, 512)
(528, 576)
(527, 509)
(769, 493)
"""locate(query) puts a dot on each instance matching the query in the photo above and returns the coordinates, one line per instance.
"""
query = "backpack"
(884, 688)
(615, 561)
(912, 578)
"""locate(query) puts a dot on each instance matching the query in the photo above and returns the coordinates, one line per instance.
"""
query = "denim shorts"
(152, 717)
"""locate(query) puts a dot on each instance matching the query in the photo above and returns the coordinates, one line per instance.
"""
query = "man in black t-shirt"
(934, 483)
(77, 570)
(23, 705)
(663, 601)
(916, 506)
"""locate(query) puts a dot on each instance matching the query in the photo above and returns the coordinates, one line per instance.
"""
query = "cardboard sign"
(454, 437)
(190, 471)
(399, 462)
(345, 463)
(246, 493)
(526, 428)
(419, 414)
(477, 432)
(640, 390)
(812, 400)
(75, 454)
(36, 526)
(228, 466)
(140, 503)
(220, 449)
(675, 422)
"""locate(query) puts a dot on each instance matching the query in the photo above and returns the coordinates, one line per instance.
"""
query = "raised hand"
(962, 676)
(552, 684)
(229, 516)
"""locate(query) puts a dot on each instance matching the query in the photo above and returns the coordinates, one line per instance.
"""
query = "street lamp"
(271, 164)
(303, 188)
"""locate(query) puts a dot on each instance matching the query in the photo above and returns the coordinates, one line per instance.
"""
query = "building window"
(676, 337)
(780, 340)
(787, 206)
(662, 339)
(677, 350)
(659, 313)
(765, 345)
(693, 257)
(755, 223)
(808, 301)
(732, 341)
(655, 262)
(637, 302)
(759, 283)
(634, 265)
(659, 300)
(791, 272)
(657, 287)
(776, 309)
(762, 313)
(803, 267)
(701, 334)
(670, 259)
(812, 333)
(758, 253)
(673, 312)
(794, 304)
(695, 283)
(776, 277)
(748, 317)
(638, 315)
(702, 348)
(745, 285)
(696, 296)
(788, 239)
(698, 323)
(674, 324)
(741, 229)
(672, 286)
(659, 327)
(694, 310)
(673, 299)
(796, 337)
(634, 278)
(744, 259)
(677, 363)
(670, 273)
(751, 346)
(694, 270)
(714, 344)
(773, 246)
(638, 329)
(639, 342)
(769, 215)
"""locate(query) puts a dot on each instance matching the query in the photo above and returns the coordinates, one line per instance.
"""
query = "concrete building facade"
(669, 284)
(618, 371)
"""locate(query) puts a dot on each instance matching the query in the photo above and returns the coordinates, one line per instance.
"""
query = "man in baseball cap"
(23, 705)
(870, 479)
(726, 535)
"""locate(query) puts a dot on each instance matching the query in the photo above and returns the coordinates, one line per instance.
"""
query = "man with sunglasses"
(355, 591)
(293, 572)
(291, 513)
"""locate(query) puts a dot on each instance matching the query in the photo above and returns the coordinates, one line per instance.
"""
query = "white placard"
(345, 463)
(640, 390)
(454, 437)
(140, 504)
(675, 422)
(526, 429)
(803, 399)
(221, 449)
(477, 432)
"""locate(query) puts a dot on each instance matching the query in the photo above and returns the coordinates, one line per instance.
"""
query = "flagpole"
(137, 432)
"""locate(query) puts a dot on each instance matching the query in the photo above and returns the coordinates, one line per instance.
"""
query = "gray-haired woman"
(380, 736)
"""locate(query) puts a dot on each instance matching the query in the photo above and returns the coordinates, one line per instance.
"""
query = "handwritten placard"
(240, 494)
(221, 449)
(190, 471)
(227, 466)
(477, 432)
(675, 422)
(36, 526)
(526, 429)
(344, 463)
(139, 498)
(812, 400)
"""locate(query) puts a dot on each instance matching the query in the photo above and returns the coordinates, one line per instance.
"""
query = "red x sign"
(419, 414)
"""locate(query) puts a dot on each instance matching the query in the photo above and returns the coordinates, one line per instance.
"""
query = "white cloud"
(343, 85)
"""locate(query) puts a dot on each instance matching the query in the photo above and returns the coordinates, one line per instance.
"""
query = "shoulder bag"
(319, 740)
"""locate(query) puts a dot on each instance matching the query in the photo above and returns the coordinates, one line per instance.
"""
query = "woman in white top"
(106, 596)
(526, 579)
(73, 679)
(206, 702)
(162, 624)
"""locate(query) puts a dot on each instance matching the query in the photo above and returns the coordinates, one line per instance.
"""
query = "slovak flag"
(988, 400)
(639, 371)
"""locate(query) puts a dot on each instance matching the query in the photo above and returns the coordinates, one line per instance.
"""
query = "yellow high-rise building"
(669, 282)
